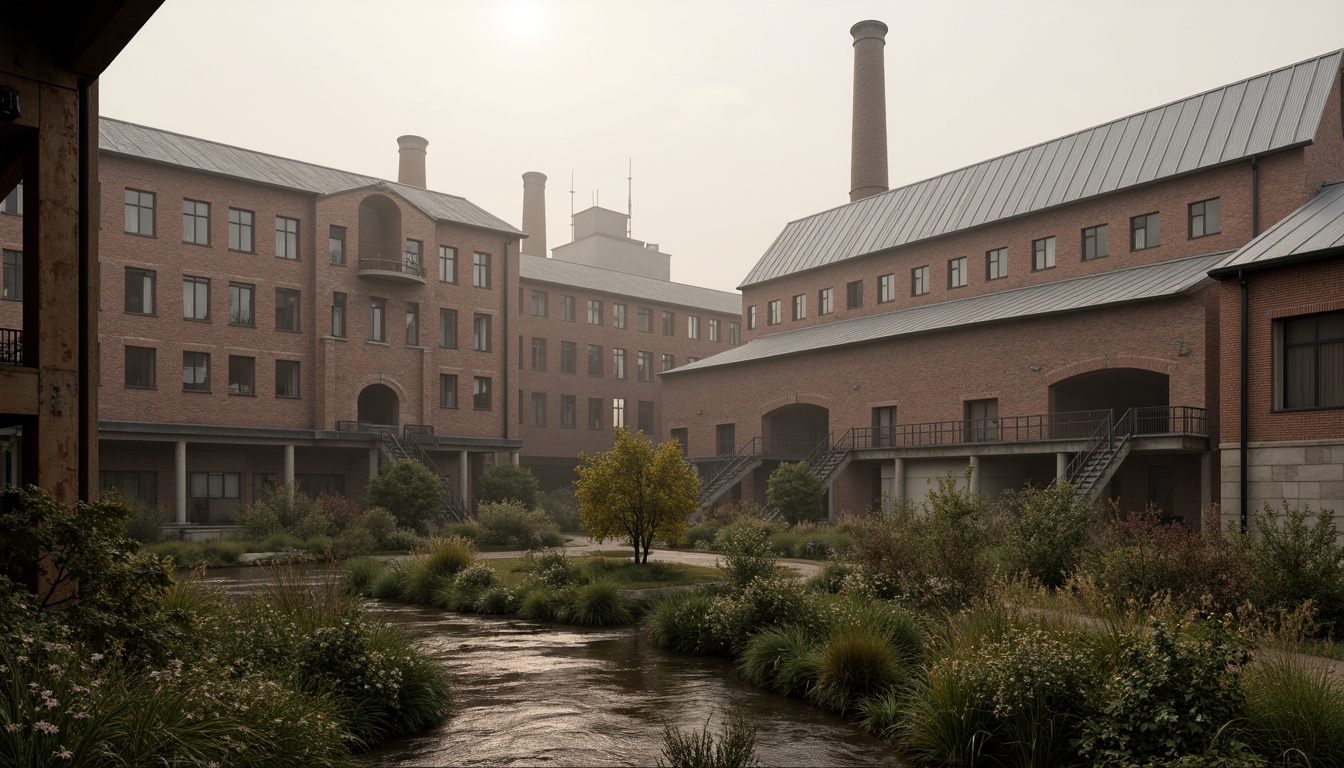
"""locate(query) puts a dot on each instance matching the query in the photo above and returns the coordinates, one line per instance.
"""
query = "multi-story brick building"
(1045, 313)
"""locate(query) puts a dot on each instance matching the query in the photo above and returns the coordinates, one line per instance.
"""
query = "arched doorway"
(1114, 389)
(795, 428)
(378, 405)
(379, 230)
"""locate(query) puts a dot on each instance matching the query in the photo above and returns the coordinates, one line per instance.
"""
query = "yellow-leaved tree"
(638, 491)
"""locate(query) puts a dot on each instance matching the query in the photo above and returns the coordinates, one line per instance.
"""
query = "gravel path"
(582, 545)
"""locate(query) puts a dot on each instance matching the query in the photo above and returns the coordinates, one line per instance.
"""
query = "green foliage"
(679, 621)
(389, 583)
(1047, 531)
(902, 627)
(105, 589)
(782, 659)
(552, 568)
(796, 492)
(497, 601)
(701, 535)
(562, 507)
(1294, 711)
(432, 567)
(745, 545)
(407, 489)
(599, 604)
(200, 554)
(638, 492)
(145, 525)
(1292, 561)
(855, 662)
(735, 748)
(833, 577)
(379, 523)
(505, 483)
(765, 602)
(281, 542)
(283, 509)
(402, 540)
(512, 524)
(476, 577)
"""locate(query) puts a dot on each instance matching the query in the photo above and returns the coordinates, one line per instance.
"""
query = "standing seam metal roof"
(1315, 227)
(1261, 114)
(609, 281)
(119, 137)
(1150, 281)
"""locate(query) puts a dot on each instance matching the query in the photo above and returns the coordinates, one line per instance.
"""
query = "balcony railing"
(395, 266)
(11, 346)
(1069, 425)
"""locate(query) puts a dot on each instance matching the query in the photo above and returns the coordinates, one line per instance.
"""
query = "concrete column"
(975, 474)
(180, 478)
(868, 151)
(289, 469)
(515, 458)
(897, 481)
(464, 476)
(1062, 466)
(373, 463)
(1205, 481)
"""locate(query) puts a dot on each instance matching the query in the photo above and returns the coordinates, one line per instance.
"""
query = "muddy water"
(530, 694)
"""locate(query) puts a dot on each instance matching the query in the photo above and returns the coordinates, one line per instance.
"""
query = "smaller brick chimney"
(534, 214)
(411, 165)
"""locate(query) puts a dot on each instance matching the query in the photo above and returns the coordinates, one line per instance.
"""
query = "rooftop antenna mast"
(629, 195)
(571, 206)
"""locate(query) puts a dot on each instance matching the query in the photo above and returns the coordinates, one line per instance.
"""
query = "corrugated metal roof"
(1272, 111)
(140, 141)
(1080, 293)
(1316, 226)
(609, 281)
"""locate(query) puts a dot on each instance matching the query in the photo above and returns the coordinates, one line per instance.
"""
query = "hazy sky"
(735, 113)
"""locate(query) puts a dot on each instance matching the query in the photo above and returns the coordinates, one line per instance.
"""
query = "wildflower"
(45, 727)
(63, 753)
(97, 657)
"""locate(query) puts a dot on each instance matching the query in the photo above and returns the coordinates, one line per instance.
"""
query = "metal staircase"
(1103, 454)
(728, 471)
(828, 458)
(398, 450)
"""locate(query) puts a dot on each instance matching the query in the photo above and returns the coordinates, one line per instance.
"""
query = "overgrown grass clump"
(734, 748)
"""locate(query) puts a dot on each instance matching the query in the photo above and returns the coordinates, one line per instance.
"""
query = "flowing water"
(526, 693)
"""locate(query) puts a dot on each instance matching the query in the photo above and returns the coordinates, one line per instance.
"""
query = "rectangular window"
(131, 484)
(336, 244)
(568, 408)
(412, 324)
(195, 222)
(669, 361)
(825, 302)
(957, 273)
(669, 323)
(286, 378)
(1043, 254)
(214, 485)
(480, 397)
(1204, 219)
(480, 333)
(447, 390)
(415, 254)
(1095, 245)
(617, 412)
(725, 439)
(716, 330)
(377, 319)
(538, 353)
(139, 213)
(448, 328)
(919, 281)
(140, 291)
(774, 314)
(338, 315)
(315, 484)
(538, 409)
(734, 332)
(480, 269)
(140, 367)
(569, 357)
(240, 231)
(1144, 232)
(884, 426)
(539, 301)
(447, 264)
(620, 316)
(594, 413)
(13, 203)
(567, 308)
(799, 307)
(241, 370)
(286, 309)
(594, 312)
(886, 289)
(751, 317)
(594, 360)
(241, 304)
(644, 320)
(618, 363)
(644, 366)
(195, 372)
(286, 238)
(854, 294)
(195, 298)
(13, 276)
(1309, 352)
(996, 264)
(644, 416)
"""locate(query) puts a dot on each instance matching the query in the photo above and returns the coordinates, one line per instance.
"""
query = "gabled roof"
(1315, 229)
(1269, 112)
(122, 138)
(584, 277)
(1121, 286)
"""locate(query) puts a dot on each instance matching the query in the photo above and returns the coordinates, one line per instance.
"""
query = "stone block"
(1279, 455)
(1318, 454)
(1283, 472)
(1259, 471)
(1290, 491)
(1308, 490)
(1265, 491)
(1326, 472)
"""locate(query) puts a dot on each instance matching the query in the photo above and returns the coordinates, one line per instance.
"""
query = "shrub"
(541, 603)
(511, 524)
(349, 543)
(679, 621)
(736, 748)
(796, 491)
(360, 573)
(782, 659)
(478, 576)
(282, 509)
(766, 602)
(281, 542)
(145, 525)
(552, 568)
(505, 483)
(407, 489)
(1047, 531)
(562, 507)
(785, 543)
(745, 544)
(701, 535)
(902, 627)
(1294, 710)
(389, 583)
(345, 514)
(1292, 562)
(200, 554)
(497, 601)
(855, 662)
(446, 556)
(379, 523)
(832, 577)
(599, 604)
(402, 540)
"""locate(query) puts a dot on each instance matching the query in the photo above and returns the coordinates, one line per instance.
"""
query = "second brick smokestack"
(534, 214)
(868, 158)
(411, 161)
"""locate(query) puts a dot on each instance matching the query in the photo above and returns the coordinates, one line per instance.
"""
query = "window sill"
(196, 391)
(243, 325)
(145, 389)
(242, 394)
(137, 234)
(377, 343)
(288, 397)
(141, 314)
(196, 319)
(246, 253)
(1206, 234)
(1132, 249)
(199, 245)
(336, 338)
(1309, 409)
(288, 330)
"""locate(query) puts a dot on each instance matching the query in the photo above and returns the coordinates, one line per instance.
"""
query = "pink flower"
(45, 727)
(63, 753)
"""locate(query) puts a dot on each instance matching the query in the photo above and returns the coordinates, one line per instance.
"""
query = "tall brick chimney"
(868, 154)
(411, 161)
(534, 215)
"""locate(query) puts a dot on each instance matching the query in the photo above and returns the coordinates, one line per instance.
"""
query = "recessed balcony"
(393, 270)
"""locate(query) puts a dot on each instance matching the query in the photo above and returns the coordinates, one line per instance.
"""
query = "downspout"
(87, 483)
(508, 393)
(1245, 427)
